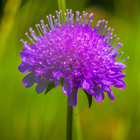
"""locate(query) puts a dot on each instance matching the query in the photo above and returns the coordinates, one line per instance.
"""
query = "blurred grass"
(25, 115)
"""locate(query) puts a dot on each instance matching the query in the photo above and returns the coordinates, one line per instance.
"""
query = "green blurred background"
(26, 115)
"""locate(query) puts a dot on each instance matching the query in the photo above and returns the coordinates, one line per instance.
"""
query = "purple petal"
(77, 82)
(99, 95)
(111, 96)
(76, 72)
(25, 53)
(38, 77)
(90, 91)
(73, 97)
(93, 74)
(67, 86)
(57, 75)
(89, 73)
(120, 76)
(124, 86)
(107, 82)
(42, 85)
(105, 88)
(48, 74)
(67, 73)
(117, 75)
(120, 65)
(115, 54)
(29, 80)
(113, 68)
(87, 84)
(23, 68)
(120, 84)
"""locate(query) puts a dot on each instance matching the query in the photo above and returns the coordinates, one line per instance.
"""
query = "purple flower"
(84, 56)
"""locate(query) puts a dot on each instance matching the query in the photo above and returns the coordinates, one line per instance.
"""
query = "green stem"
(69, 122)
(77, 133)
(62, 6)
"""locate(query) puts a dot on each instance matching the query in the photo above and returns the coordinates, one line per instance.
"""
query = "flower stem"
(77, 133)
(69, 122)
(62, 6)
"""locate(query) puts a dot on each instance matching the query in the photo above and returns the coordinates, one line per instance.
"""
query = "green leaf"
(50, 86)
(89, 98)
(61, 80)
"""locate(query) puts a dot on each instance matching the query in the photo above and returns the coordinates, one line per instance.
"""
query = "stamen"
(91, 16)
(58, 16)
(61, 17)
(81, 19)
(30, 38)
(67, 16)
(77, 15)
(23, 41)
(33, 34)
(105, 26)
(38, 29)
(26, 45)
(67, 13)
(83, 28)
(110, 34)
(56, 22)
(112, 39)
(70, 12)
(43, 26)
(84, 17)
(72, 29)
(115, 42)
(48, 20)
(102, 32)
(119, 55)
(101, 26)
(72, 19)
(77, 21)
(54, 18)
(98, 25)
(117, 48)
(47, 27)
(38, 25)
(51, 21)
(107, 32)
(70, 22)
(90, 24)
(106, 39)
(109, 40)
(125, 59)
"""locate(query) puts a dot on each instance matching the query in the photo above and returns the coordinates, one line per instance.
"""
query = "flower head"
(84, 56)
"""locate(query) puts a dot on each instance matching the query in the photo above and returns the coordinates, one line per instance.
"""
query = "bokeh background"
(26, 115)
